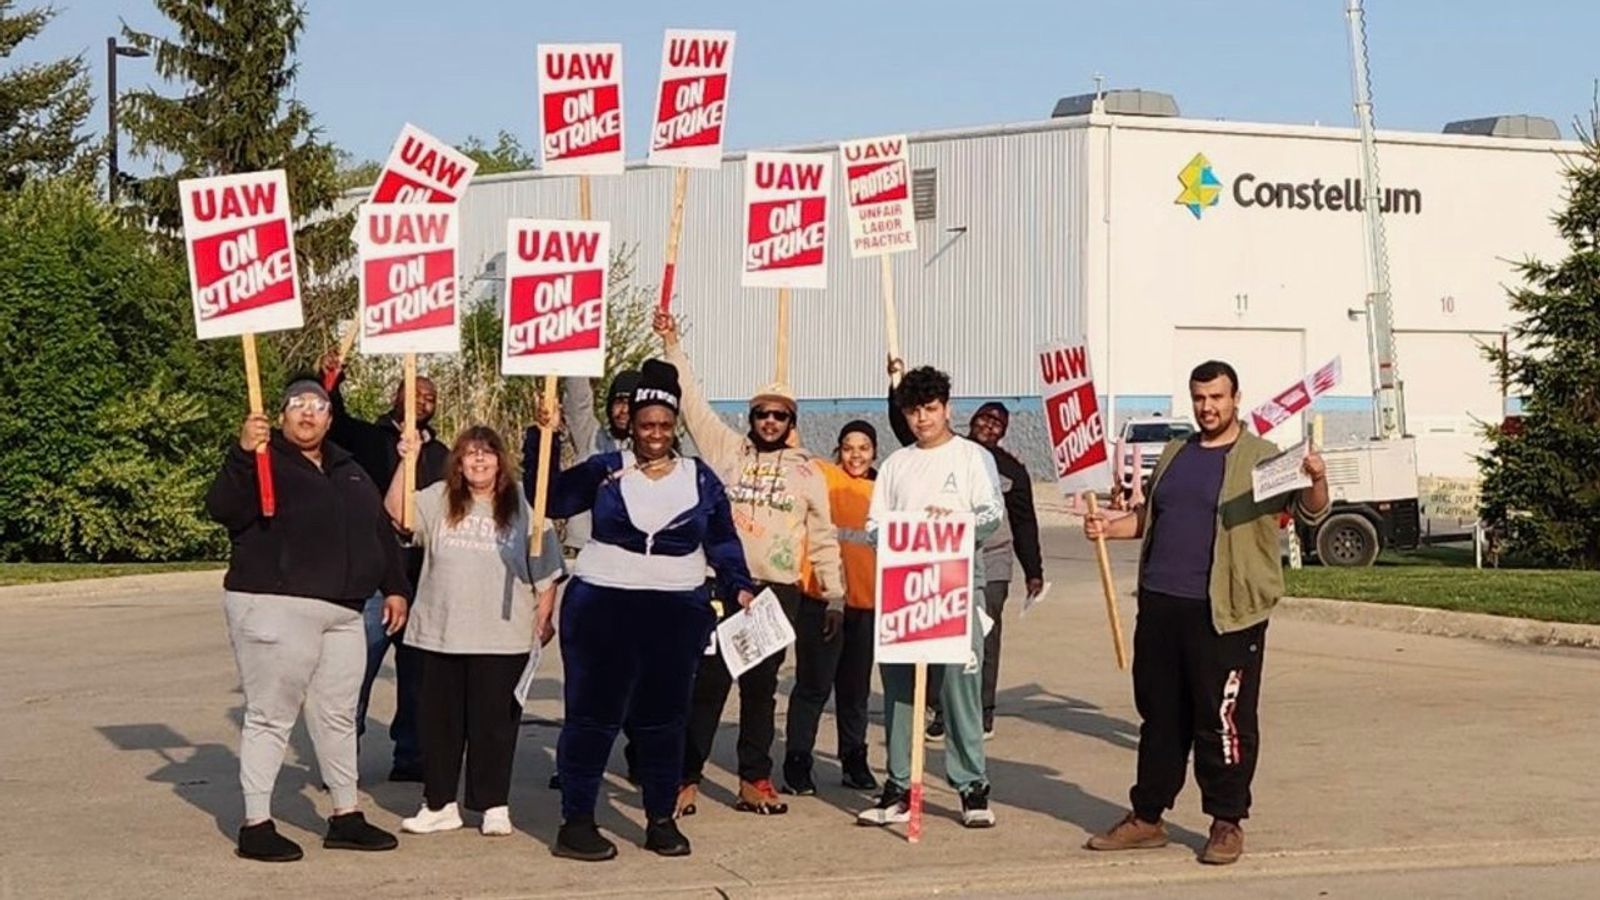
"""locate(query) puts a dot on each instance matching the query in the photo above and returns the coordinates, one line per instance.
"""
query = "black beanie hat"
(657, 386)
(858, 426)
(622, 385)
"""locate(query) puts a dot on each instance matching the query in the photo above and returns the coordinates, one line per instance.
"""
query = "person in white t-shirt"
(939, 474)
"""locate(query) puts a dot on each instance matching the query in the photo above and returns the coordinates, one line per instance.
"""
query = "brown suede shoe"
(1225, 845)
(1131, 833)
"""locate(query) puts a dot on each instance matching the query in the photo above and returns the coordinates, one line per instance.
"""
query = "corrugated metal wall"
(974, 301)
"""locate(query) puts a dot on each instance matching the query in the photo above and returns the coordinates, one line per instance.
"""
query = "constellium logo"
(1202, 189)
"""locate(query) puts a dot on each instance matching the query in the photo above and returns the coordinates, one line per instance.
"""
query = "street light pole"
(114, 50)
(111, 118)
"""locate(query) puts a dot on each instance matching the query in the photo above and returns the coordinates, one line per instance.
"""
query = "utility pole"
(114, 50)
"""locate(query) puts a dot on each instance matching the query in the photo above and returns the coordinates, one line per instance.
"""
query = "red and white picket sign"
(1072, 414)
(877, 195)
(1296, 397)
(786, 220)
(409, 296)
(554, 319)
(691, 99)
(925, 588)
(422, 169)
(580, 108)
(240, 235)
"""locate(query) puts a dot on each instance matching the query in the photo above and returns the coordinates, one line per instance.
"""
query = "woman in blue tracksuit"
(637, 615)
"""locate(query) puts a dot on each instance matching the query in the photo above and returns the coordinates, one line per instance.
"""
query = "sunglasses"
(307, 402)
(782, 415)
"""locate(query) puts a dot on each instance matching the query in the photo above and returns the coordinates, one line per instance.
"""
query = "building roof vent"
(1535, 128)
(1135, 102)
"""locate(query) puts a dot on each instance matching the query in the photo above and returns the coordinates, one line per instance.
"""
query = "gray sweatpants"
(294, 652)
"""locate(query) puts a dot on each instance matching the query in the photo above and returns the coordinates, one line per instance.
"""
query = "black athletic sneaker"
(581, 839)
(555, 781)
(263, 843)
(892, 808)
(857, 774)
(975, 812)
(935, 729)
(797, 775)
(663, 837)
(351, 831)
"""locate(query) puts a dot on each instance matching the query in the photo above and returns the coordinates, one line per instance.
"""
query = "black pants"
(758, 702)
(467, 704)
(1194, 688)
(628, 659)
(841, 666)
(994, 603)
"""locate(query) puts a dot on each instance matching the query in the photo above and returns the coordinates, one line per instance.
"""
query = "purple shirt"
(1183, 522)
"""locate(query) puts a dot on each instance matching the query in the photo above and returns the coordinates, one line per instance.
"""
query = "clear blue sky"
(826, 69)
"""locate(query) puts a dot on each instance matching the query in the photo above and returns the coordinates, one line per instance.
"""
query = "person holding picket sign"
(481, 604)
(1017, 537)
(939, 474)
(636, 614)
(293, 596)
(839, 662)
(781, 498)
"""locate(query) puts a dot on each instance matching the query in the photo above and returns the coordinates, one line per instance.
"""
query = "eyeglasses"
(307, 402)
(782, 415)
(478, 451)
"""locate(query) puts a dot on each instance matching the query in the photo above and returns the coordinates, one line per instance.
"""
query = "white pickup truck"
(1142, 441)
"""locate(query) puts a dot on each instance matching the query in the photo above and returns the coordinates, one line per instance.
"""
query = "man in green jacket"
(1209, 575)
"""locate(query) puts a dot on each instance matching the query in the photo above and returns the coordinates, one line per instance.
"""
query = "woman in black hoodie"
(296, 583)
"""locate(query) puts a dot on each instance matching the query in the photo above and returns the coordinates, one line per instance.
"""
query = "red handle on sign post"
(680, 186)
(269, 500)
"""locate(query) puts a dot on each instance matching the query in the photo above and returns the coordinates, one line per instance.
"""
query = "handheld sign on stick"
(690, 113)
(1078, 444)
(786, 230)
(239, 232)
(925, 613)
(409, 298)
(554, 312)
(877, 175)
(580, 123)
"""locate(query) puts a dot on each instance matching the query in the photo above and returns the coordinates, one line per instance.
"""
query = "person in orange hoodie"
(833, 653)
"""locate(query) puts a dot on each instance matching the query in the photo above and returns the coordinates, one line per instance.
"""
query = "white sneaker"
(893, 808)
(428, 821)
(496, 821)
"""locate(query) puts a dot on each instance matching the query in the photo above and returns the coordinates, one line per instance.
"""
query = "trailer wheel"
(1347, 539)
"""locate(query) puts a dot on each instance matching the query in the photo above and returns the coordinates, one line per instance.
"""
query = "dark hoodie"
(376, 444)
(330, 539)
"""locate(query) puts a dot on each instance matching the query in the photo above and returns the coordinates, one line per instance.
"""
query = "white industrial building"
(1085, 224)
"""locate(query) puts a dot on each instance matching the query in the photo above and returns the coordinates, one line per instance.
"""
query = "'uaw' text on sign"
(241, 253)
(878, 196)
(555, 309)
(422, 169)
(786, 220)
(580, 102)
(409, 298)
(1072, 414)
(692, 99)
(925, 589)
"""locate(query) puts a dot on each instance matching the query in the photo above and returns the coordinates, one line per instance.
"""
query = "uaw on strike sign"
(691, 99)
(408, 278)
(240, 236)
(786, 220)
(1072, 416)
(554, 318)
(422, 169)
(580, 108)
(877, 194)
(925, 588)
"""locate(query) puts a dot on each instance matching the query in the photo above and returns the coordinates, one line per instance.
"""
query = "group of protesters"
(660, 547)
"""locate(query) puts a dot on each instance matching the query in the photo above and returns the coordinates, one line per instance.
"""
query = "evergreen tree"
(42, 106)
(237, 113)
(1541, 476)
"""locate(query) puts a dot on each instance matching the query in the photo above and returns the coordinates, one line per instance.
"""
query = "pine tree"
(42, 106)
(237, 113)
(1541, 478)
